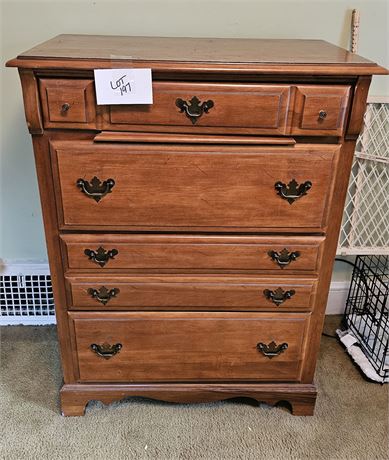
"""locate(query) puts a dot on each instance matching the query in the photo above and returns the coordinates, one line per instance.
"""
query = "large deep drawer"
(193, 187)
(184, 347)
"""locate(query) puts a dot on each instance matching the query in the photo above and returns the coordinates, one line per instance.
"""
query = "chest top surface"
(259, 55)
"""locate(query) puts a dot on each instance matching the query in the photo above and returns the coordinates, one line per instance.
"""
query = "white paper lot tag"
(123, 86)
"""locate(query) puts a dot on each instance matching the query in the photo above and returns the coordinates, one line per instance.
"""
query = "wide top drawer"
(197, 105)
(202, 107)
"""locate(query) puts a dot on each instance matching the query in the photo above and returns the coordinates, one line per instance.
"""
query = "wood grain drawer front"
(192, 253)
(68, 103)
(193, 187)
(320, 110)
(259, 107)
(187, 292)
(152, 346)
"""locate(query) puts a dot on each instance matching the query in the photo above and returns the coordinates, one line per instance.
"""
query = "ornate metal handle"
(106, 350)
(284, 257)
(194, 109)
(101, 256)
(279, 295)
(272, 349)
(103, 295)
(293, 191)
(95, 188)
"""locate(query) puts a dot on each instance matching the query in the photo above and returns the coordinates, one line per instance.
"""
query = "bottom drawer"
(163, 347)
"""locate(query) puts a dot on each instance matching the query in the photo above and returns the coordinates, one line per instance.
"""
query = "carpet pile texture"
(350, 422)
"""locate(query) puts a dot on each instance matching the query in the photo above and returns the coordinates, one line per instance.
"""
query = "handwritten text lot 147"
(123, 86)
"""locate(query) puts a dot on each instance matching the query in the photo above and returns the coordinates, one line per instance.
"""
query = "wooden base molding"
(300, 397)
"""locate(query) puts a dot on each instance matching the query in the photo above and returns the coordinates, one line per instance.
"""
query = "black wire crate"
(367, 309)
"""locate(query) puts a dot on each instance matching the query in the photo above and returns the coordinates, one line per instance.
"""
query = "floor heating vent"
(26, 298)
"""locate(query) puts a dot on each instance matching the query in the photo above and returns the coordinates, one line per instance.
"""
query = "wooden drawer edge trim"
(173, 67)
(182, 315)
(201, 230)
(115, 136)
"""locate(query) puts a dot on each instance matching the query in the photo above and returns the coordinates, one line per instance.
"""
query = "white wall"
(26, 23)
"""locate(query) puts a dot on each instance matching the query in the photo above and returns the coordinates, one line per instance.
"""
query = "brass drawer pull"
(272, 349)
(103, 295)
(293, 191)
(101, 256)
(279, 295)
(194, 109)
(322, 115)
(106, 350)
(284, 257)
(95, 188)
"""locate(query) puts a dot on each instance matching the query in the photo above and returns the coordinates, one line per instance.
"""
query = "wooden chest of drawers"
(191, 241)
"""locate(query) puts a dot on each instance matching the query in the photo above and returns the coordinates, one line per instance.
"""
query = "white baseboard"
(378, 99)
(335, 305)
(20, 267)
(27, 320)
(337, 297)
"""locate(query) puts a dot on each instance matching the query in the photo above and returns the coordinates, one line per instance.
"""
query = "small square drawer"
(68, 103)
(188, 347)
(320, 110)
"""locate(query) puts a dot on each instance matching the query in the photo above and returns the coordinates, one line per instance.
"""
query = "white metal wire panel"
(374, 139)
(26, 297)
(365, 227)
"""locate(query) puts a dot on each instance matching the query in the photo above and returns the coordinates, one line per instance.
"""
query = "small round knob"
(65, 107)
(322, 115)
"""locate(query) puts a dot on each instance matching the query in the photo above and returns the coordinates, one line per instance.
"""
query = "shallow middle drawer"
(191, 253)
(187, 292)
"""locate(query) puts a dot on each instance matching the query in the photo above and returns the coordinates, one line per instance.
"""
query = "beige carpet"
(351, 420)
